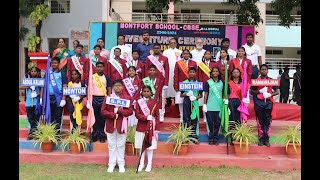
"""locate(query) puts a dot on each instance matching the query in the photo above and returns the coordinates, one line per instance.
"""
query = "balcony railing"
(280, 63)
(203, 18)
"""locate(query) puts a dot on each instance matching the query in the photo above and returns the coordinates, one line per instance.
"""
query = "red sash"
(237, 65)
(235, 89)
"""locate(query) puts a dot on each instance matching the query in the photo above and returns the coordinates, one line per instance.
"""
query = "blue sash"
(57, 94)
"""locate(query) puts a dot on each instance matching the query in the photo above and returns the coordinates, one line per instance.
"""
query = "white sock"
(150, 154)
(181, 110)
(142, 158)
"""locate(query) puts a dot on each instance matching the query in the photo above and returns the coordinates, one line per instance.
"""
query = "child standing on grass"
(33, 107)
(213, 104)
(133, 86)
(191, 114)
(116, 127)
(146, 110)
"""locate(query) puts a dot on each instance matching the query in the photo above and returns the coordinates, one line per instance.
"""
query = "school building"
(70, 19)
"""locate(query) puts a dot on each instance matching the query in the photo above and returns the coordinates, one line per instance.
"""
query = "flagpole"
(226, 105)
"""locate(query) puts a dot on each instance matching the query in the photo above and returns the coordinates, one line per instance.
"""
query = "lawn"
(90, 171)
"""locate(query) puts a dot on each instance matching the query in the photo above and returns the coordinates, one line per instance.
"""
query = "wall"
(124, 8)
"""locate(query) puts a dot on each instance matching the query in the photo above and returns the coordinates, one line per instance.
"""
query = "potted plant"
(181, 136)
(130, 150)
(242, 134)
(46, 135)
(291, 138)
(76, 140)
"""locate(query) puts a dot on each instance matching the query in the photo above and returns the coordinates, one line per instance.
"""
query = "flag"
(225, 109)
(45, 96)
(91, 119)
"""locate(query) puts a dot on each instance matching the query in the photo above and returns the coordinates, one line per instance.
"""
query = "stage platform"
(284, 112)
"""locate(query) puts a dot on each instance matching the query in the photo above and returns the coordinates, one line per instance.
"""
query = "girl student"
(132, 86)
(33, 102)
(204, 69)
(116, 127)
(75, 102)
(146, 113)
(223, 59)
(213, 104)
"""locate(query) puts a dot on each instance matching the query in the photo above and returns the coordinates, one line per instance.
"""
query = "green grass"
(90, 171)
(23, 123)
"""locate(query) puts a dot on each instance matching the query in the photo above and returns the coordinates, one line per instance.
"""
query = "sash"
(215, 92)
(195, 113)
(184, 67)
(53, 82)
(124, 125)
(97, 81)
(147, 82)
(235, 89)
(117, 66)
(237, 65)
(146, 111)
(243, 109)
(77, 64)
(77, 109)
(94, 60)
(204, 68)
(129, 86)
(157, 64)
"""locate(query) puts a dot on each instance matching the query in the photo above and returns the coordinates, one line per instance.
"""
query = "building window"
(190, 10)
(224, 11)
(60, 6)
(271, 12)
(275, 52)
(139, 11)
(53, 43)
(299, 52)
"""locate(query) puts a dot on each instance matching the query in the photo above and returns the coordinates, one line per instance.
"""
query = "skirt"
(178, 99)
(139, 140)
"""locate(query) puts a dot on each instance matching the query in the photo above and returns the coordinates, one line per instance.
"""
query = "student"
(57, 99)
(75, 102)
(73, 52)
(162, 64)
(181, 74)
(77, 62)
(149, 113)
(132, 86)
(191, 114)
(241, 62)
(101, 88)
(285, 86)
(140, 66)
(33, 95)
(264, 106)
(213, 104)
(155, 83)
(96, 57)
(224, 58)
(116, 67)
(204, 69)
(116, 127)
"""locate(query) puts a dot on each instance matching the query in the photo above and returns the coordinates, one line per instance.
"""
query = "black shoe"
(210, 143)
(29, 137)
(102, 139)
(94, 139)
(267, 144)
(260, 143)
(216, 143)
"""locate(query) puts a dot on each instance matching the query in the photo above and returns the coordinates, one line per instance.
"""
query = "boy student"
(116, 67)
(58, 81)
(96, 57)
(264, 106)
(77, 62)
(116, 127)
(181, 74)
(101, 87)
(191, 114)
(137, 64)
(162, 64)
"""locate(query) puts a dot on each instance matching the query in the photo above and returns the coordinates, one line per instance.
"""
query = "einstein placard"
(185, 86)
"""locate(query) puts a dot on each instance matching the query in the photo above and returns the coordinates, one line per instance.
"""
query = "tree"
(157, 6)
(25, 8)
(284, 9)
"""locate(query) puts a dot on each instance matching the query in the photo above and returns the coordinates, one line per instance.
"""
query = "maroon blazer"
(165, 63)
(221, 68)
(113, 73)
(70, 66)
(137, 83)
(179, 75)
(94, 69)
(140, 69)
(108, 112)
(244, 60)
(202, 77)
(142, 119)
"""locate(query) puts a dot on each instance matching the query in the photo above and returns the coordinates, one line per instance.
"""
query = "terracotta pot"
(241, 152)
(183, 150)
(130, 150)
(292, 153)
(47, 146)
(74, 148)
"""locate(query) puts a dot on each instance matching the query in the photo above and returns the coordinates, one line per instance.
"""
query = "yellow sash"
(77, 108)
(184, 67)
(97, 81)
(204, 68)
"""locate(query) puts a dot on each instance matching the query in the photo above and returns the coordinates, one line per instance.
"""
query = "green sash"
(215, 92)
(147, 82)
(195, 113)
